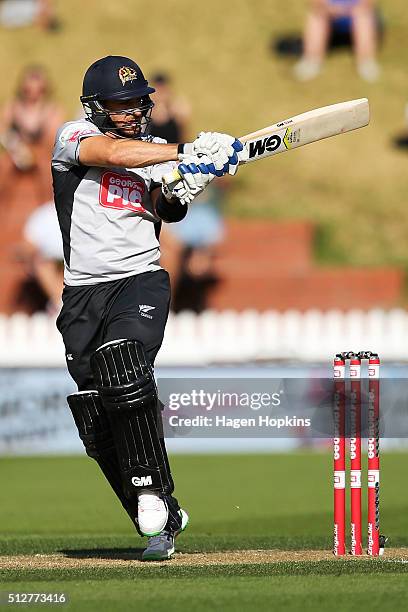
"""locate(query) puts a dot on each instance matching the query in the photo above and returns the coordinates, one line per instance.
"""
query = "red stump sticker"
(121, 191)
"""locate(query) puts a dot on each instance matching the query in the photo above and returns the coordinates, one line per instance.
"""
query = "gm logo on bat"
(270, 144)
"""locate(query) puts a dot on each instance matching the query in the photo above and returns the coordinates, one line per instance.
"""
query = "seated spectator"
(20, 13)
(189, 248)
(42, 256)
(171, 113)
(357, 19)
(28, 124)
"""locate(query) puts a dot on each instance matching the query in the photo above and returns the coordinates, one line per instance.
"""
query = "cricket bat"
(300, 130)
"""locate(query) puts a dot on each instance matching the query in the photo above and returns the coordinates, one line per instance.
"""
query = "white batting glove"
(224, 151)
(196, 177)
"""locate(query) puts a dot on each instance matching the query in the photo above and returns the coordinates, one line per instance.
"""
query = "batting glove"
(224, 151)
(195, 178)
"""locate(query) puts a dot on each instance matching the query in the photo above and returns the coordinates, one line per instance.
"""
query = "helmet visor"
(133, 121)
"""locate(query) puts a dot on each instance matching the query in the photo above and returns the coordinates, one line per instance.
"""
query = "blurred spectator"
(27, 130)
(171, 114)
(356, 20)
(42, 255)
(189, 248)
(401, 140)
(19, 13)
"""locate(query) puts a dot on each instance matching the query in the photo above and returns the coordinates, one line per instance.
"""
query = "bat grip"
(171, 178)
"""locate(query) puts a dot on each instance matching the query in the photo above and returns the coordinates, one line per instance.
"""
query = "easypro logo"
(122, 192)
(337, 433)
(373, 434)
(370, 543)
(336, 538)
(372, 448)
(353, 537)
(353, 426)
(336, 448)
(142, 481)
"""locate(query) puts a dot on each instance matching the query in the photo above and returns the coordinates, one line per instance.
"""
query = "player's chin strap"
(143, 127)
(115, 132)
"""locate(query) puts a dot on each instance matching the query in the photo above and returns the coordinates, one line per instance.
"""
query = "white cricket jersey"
(106, 217)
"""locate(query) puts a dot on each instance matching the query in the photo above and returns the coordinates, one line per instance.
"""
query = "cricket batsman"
(111, 201)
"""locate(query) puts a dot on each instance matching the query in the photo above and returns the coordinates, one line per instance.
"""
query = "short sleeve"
(68, 139)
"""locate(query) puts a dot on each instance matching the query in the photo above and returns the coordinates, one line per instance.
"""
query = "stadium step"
(324, 289)
(266, 246)
(266, 264)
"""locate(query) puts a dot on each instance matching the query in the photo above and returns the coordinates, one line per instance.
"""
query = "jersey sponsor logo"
(126, 73)
(122, 192)
(142, 481)
(69, 134)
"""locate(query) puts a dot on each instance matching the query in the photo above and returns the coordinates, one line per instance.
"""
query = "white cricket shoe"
(161, 547)
(152, 513)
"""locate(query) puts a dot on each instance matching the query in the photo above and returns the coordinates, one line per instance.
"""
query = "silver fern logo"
(144, 310)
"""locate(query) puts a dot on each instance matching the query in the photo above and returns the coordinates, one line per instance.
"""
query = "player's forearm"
(104, 151)
(137, 154)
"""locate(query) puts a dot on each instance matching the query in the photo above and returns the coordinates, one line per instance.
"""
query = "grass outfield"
(61, 530)
(350, 186)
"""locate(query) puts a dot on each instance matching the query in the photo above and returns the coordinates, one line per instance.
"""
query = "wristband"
(170, 212)
(184, 149)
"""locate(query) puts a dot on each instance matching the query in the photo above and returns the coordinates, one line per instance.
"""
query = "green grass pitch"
(242, 503)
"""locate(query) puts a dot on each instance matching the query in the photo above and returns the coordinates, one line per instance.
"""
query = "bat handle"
(171, 178)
